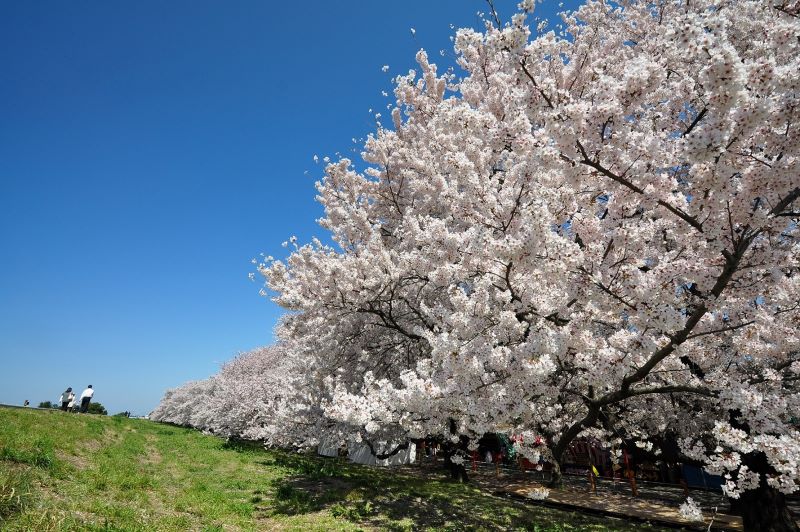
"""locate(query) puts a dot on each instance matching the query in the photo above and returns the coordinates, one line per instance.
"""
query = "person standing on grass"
(66, 398)
(86, 397)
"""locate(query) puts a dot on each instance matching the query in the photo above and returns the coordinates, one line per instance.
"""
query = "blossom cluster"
(690, 510)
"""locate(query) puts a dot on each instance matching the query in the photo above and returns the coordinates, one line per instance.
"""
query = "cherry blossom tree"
(269, 394)
(590, 231)
(249, 395)
(186, 405)
(263, 395)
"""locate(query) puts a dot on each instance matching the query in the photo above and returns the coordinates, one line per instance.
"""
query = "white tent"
(359, 453)
(328, 447)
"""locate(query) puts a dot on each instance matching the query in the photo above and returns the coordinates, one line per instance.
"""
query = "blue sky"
(149, 150)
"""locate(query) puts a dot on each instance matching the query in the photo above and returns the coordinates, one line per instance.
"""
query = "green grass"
(63, 471)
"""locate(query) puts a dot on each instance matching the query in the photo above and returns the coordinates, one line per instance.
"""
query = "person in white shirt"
(86, 397)
(66, 397)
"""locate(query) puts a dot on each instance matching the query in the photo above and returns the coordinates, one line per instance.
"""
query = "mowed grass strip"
(62, 471)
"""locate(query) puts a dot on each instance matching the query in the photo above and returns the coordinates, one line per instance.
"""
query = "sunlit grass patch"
(37, 452)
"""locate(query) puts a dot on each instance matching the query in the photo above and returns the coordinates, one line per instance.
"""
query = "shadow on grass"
(387, 499)
(310, 466)
(242, 446)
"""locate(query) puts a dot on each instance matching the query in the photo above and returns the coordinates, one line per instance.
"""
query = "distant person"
(26, 403)
(71, 407)
(86, 398)
(66, 397)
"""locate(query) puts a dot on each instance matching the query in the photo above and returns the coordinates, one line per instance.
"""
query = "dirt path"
(577, 497)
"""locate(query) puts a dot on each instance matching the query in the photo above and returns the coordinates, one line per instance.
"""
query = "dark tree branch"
(536, 85)
(785, 202)
(672, 389)
(724, 329)
(384, 456)
(696, 120)
(494, 14)
(622, 181)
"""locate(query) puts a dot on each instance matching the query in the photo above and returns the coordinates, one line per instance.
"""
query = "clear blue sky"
(149, 150)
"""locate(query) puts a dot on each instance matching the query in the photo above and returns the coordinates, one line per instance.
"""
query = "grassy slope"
(67, 472)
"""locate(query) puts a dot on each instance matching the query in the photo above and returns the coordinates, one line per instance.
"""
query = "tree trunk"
(556, 477)
(458, 472)
(764, 510)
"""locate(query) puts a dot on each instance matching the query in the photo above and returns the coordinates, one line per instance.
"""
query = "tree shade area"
(64, 472)
(589, 234)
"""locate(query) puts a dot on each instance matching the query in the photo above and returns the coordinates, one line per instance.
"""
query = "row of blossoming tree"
(591, 233)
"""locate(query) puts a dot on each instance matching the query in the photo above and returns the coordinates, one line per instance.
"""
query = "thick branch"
(696, 120)
(572, 432)
(785, 202)
(732, 261)
(672, 389)
(622, 181)
(536, 85)
(384, 456)
(723, 329)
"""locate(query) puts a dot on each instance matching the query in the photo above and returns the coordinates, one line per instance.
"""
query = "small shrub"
(357, 512)
(97, 408)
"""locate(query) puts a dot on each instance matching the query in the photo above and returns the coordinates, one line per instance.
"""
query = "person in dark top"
(66, 397)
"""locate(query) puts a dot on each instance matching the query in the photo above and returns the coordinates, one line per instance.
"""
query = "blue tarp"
(697, 478)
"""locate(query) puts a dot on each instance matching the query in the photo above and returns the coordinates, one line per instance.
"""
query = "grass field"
(63, 471)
